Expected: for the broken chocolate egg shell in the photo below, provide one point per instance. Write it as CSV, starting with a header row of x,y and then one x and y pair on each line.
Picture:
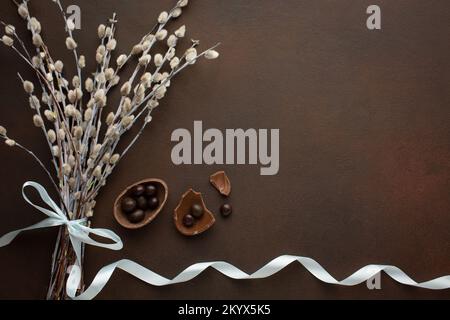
x,y
184,207
150,215
221,182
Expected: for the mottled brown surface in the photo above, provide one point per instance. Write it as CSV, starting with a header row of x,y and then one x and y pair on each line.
x,y
365,169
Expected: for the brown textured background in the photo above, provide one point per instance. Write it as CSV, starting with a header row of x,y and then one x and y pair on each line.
x,y
365,153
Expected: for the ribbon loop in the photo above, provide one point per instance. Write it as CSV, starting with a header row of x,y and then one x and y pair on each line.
x,y
57,213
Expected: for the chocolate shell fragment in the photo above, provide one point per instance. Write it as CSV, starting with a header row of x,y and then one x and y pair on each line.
x,y
221,182
183,217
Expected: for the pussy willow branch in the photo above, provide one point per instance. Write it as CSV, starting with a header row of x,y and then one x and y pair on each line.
x,y
175,72
51,90
16,36
158,27
62,147
40,82
60,173
44,129
38,51
153,30
97,111
22,44
75,52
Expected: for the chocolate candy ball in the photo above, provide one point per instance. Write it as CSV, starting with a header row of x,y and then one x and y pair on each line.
x,y
128,205
188,221
142,203
153,203
197,211
137,216
226,210
150,190
138,191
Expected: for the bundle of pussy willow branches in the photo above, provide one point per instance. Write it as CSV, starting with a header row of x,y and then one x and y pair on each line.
x,y
81,129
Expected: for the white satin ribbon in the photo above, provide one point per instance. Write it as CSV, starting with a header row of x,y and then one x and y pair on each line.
x,y
274,266
80,234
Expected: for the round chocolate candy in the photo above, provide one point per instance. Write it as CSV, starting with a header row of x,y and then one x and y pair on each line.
x,y
150,190
128,205
138,190
142,203
197,211
153,203
136,216
188,221
226,210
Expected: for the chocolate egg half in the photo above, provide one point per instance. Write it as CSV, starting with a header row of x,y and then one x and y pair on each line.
x,y
128,205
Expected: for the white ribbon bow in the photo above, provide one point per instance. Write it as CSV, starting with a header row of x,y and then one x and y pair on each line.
x,y
80,234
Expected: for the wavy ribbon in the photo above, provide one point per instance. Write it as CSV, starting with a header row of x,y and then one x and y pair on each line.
x,y
274,266
79,234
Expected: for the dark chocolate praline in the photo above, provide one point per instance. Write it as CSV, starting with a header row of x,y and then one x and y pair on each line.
x,y
128,205
136,216
150,190
226,210
188,221
197,211
142,203
138,191
153,203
